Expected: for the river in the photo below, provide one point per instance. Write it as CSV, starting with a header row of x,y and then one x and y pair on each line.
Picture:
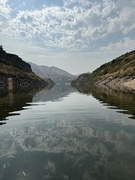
x,y
65,134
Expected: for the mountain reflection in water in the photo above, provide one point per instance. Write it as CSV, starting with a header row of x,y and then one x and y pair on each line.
x,y
62,134
123,101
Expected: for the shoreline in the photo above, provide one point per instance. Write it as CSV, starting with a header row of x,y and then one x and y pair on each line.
x,y
124,84
130,84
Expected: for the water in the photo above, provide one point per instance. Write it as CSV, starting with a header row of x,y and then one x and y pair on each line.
x,y
63,134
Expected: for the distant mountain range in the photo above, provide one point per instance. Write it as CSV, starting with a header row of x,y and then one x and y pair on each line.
x,y
55,74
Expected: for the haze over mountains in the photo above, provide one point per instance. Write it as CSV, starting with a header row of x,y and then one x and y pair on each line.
x,y
55,74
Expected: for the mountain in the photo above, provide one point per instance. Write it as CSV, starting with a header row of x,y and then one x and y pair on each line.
x,y
14,68
117,74
54,73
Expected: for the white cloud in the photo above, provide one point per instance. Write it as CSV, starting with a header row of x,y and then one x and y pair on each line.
x,y
126,20
85,3
74,27
78,25
4,9
125,44
108,7
123,22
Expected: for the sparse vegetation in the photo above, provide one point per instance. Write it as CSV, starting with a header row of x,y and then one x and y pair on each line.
x,y
121,67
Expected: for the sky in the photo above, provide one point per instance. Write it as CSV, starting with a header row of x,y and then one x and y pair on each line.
x,y
75,35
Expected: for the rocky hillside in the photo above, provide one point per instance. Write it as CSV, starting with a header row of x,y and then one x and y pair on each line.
x,y
118,73
13,60
12,66
54,73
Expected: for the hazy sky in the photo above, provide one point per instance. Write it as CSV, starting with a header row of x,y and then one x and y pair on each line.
x,y
75,35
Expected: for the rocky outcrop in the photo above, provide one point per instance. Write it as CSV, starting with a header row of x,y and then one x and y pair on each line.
x,y
14,60
20,72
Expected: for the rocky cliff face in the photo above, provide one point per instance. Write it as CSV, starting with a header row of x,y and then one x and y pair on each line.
x,y
13,67
14,60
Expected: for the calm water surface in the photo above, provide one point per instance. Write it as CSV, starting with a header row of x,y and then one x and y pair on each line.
x,y
62,134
